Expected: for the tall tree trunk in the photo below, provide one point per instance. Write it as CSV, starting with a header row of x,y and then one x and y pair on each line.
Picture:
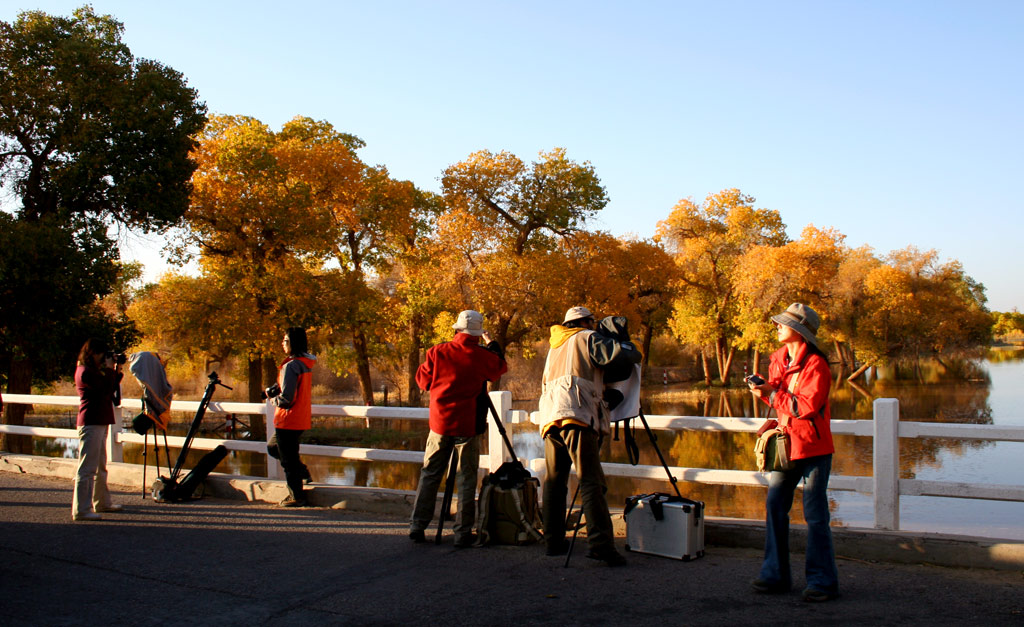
x,y
412,360
257,424
255,379
707,368
361,347
757,361
18,382
724,355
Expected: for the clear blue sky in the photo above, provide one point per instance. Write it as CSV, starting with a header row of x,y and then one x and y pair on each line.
x,y
898,123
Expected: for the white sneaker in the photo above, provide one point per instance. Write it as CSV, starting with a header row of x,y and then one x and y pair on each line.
x,y
86,516
113,507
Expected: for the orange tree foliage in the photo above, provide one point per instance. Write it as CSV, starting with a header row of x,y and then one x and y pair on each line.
x,y
503,220
257,239
371,220
917,306
768,278
708,241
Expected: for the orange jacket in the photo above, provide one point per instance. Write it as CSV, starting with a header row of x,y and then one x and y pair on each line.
x,y
801,401
295,402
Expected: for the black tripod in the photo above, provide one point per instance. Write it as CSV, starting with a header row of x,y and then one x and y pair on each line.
x,y
634,460
446,501
165,487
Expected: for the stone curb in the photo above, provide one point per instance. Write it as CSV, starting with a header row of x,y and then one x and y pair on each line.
x,y
856,544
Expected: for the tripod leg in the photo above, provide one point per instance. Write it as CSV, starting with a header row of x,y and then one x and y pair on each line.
x,y
145,451
449,489
575,528
657,449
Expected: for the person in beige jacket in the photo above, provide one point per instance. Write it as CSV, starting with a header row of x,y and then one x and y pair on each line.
x,y
575,419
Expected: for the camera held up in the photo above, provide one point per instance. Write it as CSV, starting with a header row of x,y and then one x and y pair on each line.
x,y
271,392
119,358
754,380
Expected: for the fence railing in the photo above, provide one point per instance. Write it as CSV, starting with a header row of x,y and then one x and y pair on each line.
x,y
885,428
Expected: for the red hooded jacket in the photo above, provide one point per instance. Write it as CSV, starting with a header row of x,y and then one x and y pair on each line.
x,y
454,373
810,379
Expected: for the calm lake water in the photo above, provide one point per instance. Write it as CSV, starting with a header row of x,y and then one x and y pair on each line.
x,y
987,392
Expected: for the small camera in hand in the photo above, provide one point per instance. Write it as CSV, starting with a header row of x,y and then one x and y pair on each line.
x,y
754,380
271,392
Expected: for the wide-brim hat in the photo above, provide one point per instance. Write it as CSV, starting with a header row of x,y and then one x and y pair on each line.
x,y
471,322
577,313
801,319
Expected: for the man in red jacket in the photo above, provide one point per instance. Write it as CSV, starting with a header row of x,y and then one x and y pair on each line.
x,y
456,374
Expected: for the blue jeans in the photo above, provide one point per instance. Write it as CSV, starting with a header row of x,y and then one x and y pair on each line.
x,y
820,569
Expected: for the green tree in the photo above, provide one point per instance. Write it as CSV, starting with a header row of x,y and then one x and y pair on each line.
x,y
89,136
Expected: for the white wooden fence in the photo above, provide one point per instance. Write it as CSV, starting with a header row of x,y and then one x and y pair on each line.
x,y
885,428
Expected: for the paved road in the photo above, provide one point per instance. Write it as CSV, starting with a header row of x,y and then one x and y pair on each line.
x,y
220,562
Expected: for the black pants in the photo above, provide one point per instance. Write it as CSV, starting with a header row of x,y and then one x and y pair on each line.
x,y
288,452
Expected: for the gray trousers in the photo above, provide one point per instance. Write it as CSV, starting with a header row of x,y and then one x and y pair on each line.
x,y
563,448
436,458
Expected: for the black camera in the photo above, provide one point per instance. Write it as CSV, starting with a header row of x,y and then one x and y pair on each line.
x,y
754,380
119,358
271,392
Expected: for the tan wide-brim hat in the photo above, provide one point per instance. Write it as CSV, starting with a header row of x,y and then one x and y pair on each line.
x,y
803,320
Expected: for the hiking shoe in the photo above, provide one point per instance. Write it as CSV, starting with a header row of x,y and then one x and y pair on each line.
x,y
762,586
608,555
86,516
465,542
290,502
556,548
418,536
112,508
813,595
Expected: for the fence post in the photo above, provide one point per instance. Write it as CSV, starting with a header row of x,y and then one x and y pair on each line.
x,y
496,452
887,463
273,466
115,450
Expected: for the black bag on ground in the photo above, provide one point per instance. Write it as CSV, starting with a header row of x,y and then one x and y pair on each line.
x,y
509,508
169,491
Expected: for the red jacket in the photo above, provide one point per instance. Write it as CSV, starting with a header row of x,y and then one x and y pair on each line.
x,y
96,388
295,402
810,434
454,373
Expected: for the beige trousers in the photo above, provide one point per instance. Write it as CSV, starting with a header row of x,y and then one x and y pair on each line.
x,y
91,480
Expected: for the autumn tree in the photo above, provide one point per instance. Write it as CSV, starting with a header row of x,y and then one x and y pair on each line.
x,y
504,220
768,278
251,225
707,240
918,306
89,137
369,220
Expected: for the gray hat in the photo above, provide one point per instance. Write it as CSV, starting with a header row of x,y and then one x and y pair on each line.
x,y
577,313
471,322
801,319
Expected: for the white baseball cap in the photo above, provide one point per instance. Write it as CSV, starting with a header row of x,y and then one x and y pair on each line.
x,y
471,322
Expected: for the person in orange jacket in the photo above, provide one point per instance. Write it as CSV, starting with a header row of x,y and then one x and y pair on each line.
x,y
293,396
797,389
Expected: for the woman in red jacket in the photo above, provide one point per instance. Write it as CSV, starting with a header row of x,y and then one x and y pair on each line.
x,y
797,389
96,379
